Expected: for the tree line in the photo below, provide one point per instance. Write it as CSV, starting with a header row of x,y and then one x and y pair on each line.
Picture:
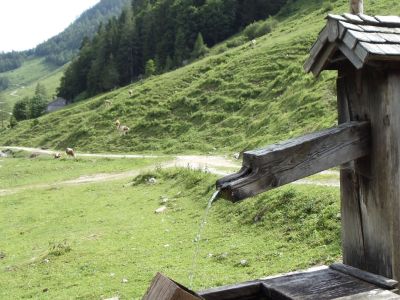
x,y
153,37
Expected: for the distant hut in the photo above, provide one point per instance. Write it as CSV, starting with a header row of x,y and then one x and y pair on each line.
x,y
56,104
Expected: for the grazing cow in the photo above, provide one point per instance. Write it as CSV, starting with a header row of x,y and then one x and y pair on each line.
x,y
70,152
57,155
121,128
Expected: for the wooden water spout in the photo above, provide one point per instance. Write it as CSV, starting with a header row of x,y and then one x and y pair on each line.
x,y
282,163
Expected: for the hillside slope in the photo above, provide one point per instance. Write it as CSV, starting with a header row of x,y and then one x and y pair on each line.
x,y
242,98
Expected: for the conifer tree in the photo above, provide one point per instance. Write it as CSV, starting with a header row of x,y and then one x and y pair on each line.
x,y
150,68
199,49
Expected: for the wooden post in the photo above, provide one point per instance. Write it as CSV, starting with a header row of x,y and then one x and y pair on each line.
x,y
370,187
163,288
356,7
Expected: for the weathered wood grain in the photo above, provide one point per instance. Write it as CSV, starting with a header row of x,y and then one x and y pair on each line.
x,y
377,294
163,288
323,58
368,19
395,20
289,161
351,56
374,279
371,191
247,291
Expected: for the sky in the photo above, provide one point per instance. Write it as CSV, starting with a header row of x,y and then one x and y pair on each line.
x,y
26,23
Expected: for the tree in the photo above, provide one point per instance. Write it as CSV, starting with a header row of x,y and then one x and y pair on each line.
x,y
21,110
199,48
37,106
150,68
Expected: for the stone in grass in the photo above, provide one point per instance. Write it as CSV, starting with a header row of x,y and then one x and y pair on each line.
x,y
244,263
152,180
160,209
113,298
124,280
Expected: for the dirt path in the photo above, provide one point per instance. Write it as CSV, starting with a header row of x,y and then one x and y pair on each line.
x,y
218,165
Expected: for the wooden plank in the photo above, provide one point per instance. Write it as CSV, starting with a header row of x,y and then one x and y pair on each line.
x,y
388,49
323,58
390,37
336,17
370,28
353,18
353,58
374,279
361,52
368,19
344,26
163,288
289,161
377,294
333,30
246,290
393,20
321,285
316,49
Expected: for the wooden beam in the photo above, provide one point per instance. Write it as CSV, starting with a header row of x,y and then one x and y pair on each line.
x,y
297,158
377,280
163,288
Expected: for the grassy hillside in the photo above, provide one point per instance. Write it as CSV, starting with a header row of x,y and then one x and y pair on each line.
x,y
81,241
237,98
24,79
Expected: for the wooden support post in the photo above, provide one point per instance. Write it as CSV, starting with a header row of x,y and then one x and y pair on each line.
x,y
370,187
356,6
297,158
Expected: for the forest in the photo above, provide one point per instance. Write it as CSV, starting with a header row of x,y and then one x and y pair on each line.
x,y
151,37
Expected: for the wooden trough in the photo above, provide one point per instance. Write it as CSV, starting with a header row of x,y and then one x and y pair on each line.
x,y
366,144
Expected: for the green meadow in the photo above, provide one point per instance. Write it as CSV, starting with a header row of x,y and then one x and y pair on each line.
x,y
98,240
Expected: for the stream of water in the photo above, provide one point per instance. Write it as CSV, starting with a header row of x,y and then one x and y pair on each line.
x,y
197,239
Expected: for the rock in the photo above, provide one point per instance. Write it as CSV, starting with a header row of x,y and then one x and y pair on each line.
x,y
152,180
2,154
46,260
244,262
164,199
338,216
210,255
160,209
113,298
236,155
166,245
124,280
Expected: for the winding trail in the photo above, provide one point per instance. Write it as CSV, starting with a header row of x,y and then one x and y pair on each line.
x,y
218,165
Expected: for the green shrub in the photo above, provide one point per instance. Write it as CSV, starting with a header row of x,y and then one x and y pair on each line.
x,y
251,30
327,7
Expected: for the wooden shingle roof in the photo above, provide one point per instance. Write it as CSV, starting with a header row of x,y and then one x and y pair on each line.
x,y
359,39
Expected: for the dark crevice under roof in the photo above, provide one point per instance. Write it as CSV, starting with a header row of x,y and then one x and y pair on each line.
x,y
356,38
